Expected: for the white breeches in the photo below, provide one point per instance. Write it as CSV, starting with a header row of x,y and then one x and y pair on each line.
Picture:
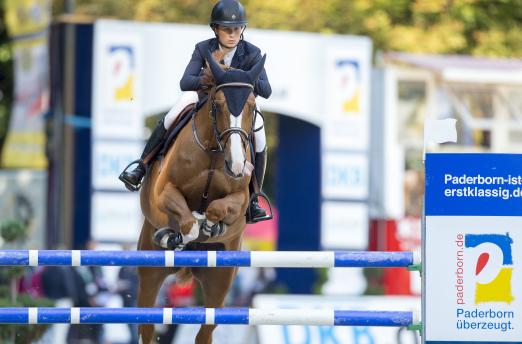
x,y
186,98
191,97
260,135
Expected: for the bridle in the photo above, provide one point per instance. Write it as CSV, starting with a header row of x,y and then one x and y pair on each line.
x,y
220,136
225,134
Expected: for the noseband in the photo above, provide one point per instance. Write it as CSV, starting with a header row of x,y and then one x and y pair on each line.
x,y
225,134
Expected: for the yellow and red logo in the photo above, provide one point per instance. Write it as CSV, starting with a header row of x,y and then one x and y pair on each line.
x,y
493,268
349,85
122,73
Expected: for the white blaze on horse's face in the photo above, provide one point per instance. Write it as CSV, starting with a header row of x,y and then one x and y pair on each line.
x,y
237,153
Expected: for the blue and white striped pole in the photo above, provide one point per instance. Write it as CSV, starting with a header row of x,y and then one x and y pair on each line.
x,y
281,259
210,316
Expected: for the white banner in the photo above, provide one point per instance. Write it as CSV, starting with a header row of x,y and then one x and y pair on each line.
x,y
344,226
109,160
471,284
116,217
345,175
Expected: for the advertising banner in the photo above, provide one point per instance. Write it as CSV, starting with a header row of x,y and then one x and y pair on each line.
x,y
118,94
347,99
345,175
116,224
27,23
109,159
27,17
344,225
472,287
117,132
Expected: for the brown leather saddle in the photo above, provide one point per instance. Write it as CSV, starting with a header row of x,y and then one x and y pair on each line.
x,y
176,127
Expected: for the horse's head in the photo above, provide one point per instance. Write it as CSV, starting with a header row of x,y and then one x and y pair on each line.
x,y
233,110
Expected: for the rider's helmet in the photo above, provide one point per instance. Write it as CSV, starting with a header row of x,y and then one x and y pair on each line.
x,y
228,13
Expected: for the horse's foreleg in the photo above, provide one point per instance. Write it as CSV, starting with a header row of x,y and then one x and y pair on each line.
x,y
173,203
150,281
229,208
215,283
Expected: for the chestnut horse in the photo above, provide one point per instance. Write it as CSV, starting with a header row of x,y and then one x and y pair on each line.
x,y
207,169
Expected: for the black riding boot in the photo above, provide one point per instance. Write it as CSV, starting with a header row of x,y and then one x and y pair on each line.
x,y
256,212
132,179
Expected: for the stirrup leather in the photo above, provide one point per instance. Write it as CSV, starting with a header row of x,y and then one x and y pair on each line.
x,y
128,185
249,217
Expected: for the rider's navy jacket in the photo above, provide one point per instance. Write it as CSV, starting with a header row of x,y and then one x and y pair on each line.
x,y
245,57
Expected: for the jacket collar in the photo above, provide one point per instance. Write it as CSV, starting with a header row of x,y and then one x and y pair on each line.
x,y
238,56
213,44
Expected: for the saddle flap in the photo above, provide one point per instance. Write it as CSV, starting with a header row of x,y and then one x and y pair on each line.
x,y
180,122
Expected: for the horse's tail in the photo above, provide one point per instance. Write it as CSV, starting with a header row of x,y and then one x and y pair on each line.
x,y
183,276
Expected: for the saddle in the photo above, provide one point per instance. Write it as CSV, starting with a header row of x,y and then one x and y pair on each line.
x,y
176,127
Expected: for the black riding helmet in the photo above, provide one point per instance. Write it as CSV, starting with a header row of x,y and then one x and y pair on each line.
x,y
228,13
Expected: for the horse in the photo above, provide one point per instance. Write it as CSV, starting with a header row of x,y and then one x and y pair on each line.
x,y
198,192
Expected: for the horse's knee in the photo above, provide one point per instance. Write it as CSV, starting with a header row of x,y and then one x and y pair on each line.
x,y
216,211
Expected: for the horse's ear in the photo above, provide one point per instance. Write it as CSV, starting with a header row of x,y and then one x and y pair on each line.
x,y
214,67
256,70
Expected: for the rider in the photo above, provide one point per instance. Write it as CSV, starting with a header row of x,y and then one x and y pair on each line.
x,y
228,21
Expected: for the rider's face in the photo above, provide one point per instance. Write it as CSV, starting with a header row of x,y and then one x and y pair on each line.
x,y
229,36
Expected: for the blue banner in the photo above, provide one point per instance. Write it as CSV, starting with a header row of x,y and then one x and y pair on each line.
x,y
473,184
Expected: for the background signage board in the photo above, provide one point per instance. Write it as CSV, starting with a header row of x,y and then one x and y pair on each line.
x,y
473,236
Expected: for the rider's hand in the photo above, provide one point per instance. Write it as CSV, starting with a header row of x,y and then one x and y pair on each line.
x,y
206,78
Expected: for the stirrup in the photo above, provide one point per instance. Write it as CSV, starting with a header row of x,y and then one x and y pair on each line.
x,y
129,185
249,217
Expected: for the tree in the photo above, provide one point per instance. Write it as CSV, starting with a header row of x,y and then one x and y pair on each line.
x,y
477,27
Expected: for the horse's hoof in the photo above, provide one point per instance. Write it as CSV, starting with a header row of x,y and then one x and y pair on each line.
x,y
213,229
168,239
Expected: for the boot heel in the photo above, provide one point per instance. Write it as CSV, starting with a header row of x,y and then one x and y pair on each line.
x,y
129,183
249,216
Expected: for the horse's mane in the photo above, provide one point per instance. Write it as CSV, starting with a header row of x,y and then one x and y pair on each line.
x,y
218,56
